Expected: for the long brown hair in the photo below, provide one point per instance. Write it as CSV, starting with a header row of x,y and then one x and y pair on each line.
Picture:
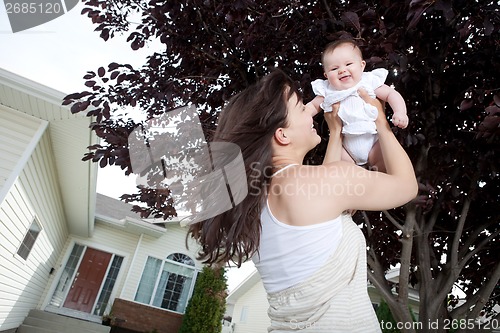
x,y
249,120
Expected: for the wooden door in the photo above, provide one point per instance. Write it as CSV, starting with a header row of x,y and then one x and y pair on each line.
x,y
88,280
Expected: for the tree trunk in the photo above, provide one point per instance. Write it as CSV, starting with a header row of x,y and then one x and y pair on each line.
x,y
404,316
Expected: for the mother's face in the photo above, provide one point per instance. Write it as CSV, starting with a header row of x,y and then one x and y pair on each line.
x,y
300,130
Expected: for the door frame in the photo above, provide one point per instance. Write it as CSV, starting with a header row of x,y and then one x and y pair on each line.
x,y
63,259
87,287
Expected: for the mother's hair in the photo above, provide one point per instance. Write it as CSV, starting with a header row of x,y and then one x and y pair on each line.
x,y
249,120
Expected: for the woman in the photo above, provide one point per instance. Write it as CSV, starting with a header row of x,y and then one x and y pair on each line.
x,y
310,255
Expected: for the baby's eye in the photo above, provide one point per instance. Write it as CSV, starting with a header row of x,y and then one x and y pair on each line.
x,y
334,68
349,64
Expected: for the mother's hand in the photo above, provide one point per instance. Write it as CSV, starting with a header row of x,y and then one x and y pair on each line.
x,y
334,149
375,102
332,118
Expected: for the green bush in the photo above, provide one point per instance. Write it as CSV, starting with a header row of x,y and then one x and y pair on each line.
x,y
206,307
385,318
387,322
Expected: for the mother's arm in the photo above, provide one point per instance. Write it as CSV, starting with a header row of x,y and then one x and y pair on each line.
x,y
371,190
334,149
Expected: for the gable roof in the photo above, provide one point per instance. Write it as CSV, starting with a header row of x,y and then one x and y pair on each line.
x,y
251,280
119,214
70,136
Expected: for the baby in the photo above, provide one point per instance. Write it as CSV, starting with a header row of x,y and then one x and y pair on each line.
x,y
344,66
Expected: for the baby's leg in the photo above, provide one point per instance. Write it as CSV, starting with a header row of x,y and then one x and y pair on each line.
x,y
375,158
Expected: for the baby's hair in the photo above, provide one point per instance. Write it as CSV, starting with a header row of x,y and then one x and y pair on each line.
x,y
330,47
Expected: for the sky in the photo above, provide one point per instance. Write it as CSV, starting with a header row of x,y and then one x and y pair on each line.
x,y
57,54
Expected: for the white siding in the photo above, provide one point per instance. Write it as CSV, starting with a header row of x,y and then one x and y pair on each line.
x,y
35,193
16,133
254,305
172,242
74,174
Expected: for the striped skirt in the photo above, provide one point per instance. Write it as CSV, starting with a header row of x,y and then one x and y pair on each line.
x,y
334,299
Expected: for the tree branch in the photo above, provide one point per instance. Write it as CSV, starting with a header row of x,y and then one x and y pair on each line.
x,y
368,223
479,299
328,10
478,248
392,219
383,289
452,272
374,265
376,275
437,205
458,233
424,273
406,250
473,236
461,222
226,41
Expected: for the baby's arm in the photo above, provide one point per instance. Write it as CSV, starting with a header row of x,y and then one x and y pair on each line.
x,y
315,104
397,103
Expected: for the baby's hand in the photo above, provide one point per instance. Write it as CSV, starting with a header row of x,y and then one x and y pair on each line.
x,y
400,119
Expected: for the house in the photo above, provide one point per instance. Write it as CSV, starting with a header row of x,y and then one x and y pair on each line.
x,y
65,251
247,304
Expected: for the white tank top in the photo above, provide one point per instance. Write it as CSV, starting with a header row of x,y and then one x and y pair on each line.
x,y
290,254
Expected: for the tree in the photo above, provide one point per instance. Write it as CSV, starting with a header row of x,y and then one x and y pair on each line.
x,y
443,57
206,307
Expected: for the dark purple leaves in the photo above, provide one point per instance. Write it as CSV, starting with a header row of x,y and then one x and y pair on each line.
x,y
417,8
79,106
101,71
105,34
352,19
466,104
489,27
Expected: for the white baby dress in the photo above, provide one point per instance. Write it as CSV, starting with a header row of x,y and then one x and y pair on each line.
x,y
358,117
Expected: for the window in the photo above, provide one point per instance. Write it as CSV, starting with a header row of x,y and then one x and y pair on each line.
x,y
67,276
244,314
29,240
102,303
168,283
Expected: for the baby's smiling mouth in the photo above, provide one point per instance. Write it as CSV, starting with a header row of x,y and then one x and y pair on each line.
x,y
344,78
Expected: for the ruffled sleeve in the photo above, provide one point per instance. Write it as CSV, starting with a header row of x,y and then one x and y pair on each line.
x,y
374,79
319,87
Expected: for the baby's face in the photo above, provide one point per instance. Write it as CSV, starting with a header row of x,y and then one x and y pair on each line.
x,y
343,67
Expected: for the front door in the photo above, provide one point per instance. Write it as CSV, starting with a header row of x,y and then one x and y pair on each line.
x,y
88,280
